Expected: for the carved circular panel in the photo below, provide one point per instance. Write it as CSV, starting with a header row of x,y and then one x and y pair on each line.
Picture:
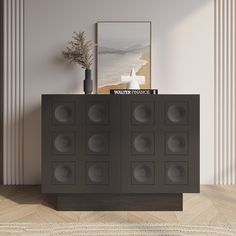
x,y
63,143
142,143
62,173
176,174
97,143
142,173
95,174
97,113
63,113
142,113
176,113
176,143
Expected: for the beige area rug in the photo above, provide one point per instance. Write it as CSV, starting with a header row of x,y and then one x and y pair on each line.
x,y
79,229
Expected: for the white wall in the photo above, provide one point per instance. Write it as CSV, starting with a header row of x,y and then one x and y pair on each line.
x,y
182,58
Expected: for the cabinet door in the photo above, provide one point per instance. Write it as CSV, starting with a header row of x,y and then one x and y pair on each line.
x,y
99,164
59,143
160,144
179,147
140,160
81,144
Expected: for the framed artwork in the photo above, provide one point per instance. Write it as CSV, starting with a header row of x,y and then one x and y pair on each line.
x,y
123,56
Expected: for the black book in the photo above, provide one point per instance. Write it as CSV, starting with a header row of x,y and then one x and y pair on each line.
x,y
133,91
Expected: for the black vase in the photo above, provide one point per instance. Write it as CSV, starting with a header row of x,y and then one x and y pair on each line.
x,y
88,83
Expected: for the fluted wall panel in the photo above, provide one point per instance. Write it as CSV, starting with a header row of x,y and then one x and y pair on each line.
x,y
225,91
13,91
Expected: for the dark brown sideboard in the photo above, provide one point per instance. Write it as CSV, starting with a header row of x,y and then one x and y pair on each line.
x,y
120,152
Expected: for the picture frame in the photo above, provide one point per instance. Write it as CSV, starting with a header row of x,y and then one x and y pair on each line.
x,y
123,55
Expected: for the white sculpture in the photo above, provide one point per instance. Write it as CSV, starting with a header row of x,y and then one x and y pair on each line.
x,y
133,80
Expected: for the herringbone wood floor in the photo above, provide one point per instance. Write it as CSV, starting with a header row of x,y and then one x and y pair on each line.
x,y
215,205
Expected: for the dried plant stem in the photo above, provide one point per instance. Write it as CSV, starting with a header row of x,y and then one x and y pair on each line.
x,y
79,50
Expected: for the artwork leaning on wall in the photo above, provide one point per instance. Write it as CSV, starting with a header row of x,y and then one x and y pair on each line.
x,y
123,56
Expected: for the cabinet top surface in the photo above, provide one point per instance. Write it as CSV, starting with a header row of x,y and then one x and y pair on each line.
x,y
124,95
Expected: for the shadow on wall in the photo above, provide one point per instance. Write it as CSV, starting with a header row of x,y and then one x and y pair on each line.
x,y
175,37
173,12
74,74
32,145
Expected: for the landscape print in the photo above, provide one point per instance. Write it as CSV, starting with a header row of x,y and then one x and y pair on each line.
x,y
123,47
